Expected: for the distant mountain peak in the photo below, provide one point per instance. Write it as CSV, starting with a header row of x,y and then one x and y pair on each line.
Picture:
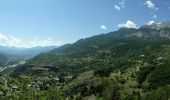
x,y
165,24
158,26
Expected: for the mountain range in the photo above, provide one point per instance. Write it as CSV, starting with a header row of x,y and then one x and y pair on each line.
x,y
127,64
12,54
87,46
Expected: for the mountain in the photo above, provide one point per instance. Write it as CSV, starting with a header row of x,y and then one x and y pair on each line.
x,y
6,58
31,52
26,52
128,64
13,55
125,64
3,59
87,46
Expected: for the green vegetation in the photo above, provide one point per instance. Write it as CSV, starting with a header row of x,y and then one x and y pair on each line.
x,y
116,66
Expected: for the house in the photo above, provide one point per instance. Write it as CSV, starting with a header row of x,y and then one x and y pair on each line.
x,y
56,78
1,93
13,86
68,77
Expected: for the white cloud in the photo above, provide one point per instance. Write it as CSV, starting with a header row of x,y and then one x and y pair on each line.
x,y
43,42
154,16
117,7
13,41
128,24
9,41
3,39
103,27
120,5
151,5
150,22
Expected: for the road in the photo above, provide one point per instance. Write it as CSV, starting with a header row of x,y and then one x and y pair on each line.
x,y
11,66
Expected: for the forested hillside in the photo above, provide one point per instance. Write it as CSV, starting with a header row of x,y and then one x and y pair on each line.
x,y
128,64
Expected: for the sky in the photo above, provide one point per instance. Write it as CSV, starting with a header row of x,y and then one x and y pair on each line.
x,y
30,23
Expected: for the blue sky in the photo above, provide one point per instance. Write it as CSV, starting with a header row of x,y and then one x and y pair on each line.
x,y
28,23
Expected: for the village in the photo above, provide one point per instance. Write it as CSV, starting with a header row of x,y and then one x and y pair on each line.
x,y
9,85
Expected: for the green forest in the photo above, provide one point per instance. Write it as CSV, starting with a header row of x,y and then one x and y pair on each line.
x,y
112,66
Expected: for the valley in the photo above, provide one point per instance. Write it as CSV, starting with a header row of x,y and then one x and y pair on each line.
x,y
84,49
21,62
120,65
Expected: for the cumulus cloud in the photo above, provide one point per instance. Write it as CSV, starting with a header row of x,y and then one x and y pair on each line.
x,y
151,5
128,24
12,41
117,7
150,22
103,27
9,41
